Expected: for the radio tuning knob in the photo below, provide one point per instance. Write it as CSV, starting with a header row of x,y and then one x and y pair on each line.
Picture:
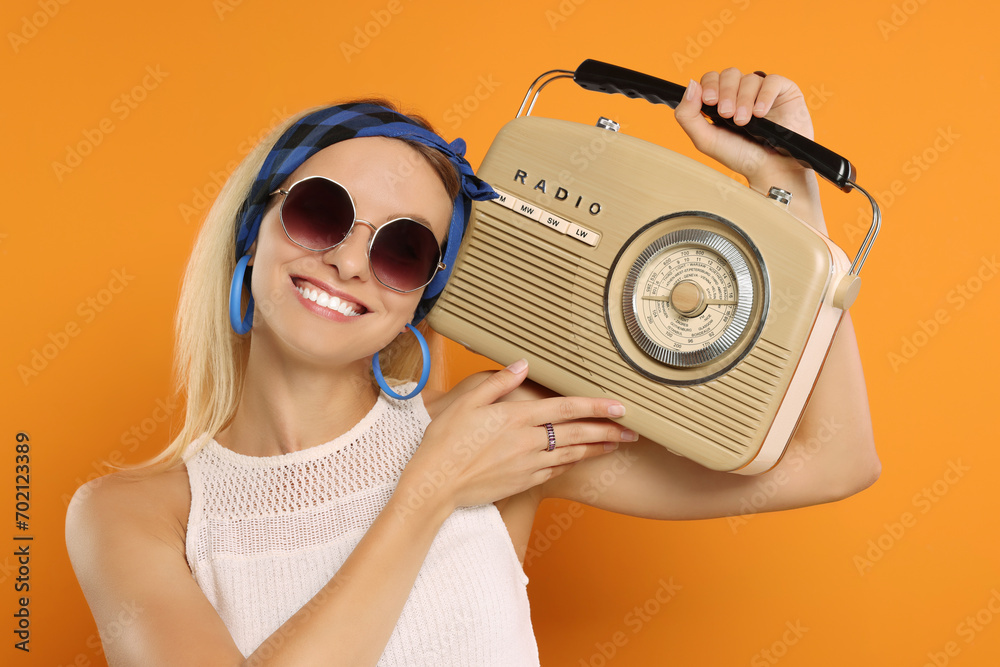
x,y
607,124
780,196
847,291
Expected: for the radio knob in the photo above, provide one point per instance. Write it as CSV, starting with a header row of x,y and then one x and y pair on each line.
x,y
688,298
847,291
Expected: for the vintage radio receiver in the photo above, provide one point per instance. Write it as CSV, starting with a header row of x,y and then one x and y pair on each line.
x,y
619,268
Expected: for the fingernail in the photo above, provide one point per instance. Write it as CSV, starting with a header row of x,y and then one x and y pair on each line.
x,y
629,435
725,107
616,410
741,115
690,92
518,366
610,446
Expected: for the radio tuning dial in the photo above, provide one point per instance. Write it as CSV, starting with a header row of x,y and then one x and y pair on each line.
x,y
688,297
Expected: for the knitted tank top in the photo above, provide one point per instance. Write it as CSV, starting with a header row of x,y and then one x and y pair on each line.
x,y
264,534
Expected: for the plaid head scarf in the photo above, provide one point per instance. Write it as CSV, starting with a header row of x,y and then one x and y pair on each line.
x,y
336,123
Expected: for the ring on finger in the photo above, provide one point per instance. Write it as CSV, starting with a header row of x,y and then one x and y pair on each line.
x,y
551,433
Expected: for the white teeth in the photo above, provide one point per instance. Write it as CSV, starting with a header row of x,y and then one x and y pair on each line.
x,y
327,301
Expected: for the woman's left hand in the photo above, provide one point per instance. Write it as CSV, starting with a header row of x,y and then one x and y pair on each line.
x,y
739,96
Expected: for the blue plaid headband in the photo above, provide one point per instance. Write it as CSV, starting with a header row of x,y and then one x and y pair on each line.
x,y
332,124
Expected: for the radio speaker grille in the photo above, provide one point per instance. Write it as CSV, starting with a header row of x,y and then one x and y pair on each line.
x,y
501,275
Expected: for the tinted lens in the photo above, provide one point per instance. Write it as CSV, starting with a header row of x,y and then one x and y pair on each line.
x,y
404,255
317,213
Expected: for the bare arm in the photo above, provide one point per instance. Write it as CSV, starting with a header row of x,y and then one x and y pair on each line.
x,y
128,554
126,543
831,456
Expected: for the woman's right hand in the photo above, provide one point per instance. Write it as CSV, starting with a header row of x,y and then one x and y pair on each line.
x,y
480,449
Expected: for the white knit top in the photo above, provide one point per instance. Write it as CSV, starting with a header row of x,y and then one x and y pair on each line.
x,y
264,534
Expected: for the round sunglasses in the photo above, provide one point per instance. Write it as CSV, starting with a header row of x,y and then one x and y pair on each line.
x,y
318,214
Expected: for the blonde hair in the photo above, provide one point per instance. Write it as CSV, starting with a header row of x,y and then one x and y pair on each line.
x,y
209,357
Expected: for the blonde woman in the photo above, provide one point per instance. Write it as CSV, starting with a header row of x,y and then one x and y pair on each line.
x,y
312,512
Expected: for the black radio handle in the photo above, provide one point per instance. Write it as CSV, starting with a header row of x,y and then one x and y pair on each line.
x,y
606,78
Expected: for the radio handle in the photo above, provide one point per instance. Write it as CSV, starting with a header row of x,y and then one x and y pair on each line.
x,y
606,78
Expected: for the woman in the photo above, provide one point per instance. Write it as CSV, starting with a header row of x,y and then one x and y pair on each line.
x,y
326,522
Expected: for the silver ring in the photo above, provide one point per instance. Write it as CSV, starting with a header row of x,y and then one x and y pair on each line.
x,y
552,436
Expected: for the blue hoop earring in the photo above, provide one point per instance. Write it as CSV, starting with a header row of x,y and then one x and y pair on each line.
x,y
236,296
424,374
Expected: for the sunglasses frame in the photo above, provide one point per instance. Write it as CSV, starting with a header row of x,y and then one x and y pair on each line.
x,y
350,230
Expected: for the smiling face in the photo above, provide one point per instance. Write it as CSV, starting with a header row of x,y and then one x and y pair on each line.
x,y
358,316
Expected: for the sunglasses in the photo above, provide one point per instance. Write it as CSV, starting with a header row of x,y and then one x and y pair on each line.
x,y
319,214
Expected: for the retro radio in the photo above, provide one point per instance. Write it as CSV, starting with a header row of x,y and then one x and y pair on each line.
x,y
632,272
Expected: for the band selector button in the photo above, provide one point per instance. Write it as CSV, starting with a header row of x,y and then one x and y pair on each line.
x,y
505,199
528,210
588,236
554,222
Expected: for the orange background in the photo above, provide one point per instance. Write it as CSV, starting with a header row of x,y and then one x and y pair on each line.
x,y
889,80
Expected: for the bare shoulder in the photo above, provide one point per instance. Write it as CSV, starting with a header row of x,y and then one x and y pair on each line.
x,y
119,530
159,502
118,525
